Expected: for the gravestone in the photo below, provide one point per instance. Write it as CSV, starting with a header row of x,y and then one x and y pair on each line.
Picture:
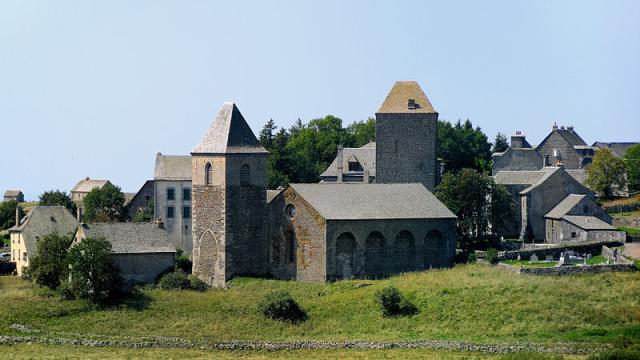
x,y
533,258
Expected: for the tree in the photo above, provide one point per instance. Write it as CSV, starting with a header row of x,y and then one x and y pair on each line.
x,y
632,168
479,203
461,146
49,266
104,204
267,134
93,275
363,132
606,173
57,198
8,213
501,143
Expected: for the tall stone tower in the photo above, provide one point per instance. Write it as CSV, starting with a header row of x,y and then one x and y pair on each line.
x,y
406,129
229,179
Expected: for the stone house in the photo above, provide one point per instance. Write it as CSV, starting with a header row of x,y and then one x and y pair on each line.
x,y
321,232
41,221
579,218
617,148
353,165
14,195
83,187
141,251
172,198
537,193
142,201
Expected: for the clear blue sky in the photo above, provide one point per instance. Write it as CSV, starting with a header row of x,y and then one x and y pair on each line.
x,y
96,88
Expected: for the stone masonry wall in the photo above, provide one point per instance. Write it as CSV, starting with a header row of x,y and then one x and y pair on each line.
x,y
143,268
406,148
517,160
568,155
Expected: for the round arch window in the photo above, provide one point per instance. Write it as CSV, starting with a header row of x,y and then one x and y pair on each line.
x,y
290,210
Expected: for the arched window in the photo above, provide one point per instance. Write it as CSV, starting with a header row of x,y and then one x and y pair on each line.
x,y
208,174
245,175
435,251
404,252
374,255
345,256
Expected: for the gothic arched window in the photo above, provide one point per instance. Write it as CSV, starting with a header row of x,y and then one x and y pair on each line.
x,y
208,174
245,175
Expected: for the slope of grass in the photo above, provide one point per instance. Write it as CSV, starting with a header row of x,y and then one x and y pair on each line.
x,y
630,230
529,264
474,303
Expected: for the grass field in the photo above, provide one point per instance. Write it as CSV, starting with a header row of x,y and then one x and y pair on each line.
x,y
529,264
475,303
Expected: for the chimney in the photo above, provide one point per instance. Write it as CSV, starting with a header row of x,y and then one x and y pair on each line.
x,y
555,126
365,177
570,128
562,127
339,160
17,216
517,140
160,223
560,164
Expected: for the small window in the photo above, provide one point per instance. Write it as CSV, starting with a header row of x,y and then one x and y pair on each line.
x,y
187,232
245,175
290,210
208,174
573,235
186,194
186,212
353,166
171,194
24,256
170,213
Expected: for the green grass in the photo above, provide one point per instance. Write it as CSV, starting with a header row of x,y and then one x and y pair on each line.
x,y
475,303
39,351
596,260
528,264
630,230
622,215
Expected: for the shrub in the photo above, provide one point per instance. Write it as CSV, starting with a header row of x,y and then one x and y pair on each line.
x,y
393,303
183,262
175,281
530,356
492,256
197,284
472,257
93,274
49,264
65,291
280,305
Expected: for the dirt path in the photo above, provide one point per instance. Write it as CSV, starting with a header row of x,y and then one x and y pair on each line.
x,y
632,250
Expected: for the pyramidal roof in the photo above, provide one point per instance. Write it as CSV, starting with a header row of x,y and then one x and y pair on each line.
x,y
399,99
229,133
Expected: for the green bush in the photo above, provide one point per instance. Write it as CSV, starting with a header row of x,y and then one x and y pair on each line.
x,y
280,305
92,273
393,303
49,264
197,284
183,262
617,354
472,257
177,280
65,291
530,356
492,256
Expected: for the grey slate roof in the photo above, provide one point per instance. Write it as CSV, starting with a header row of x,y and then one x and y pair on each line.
x,y
397,100
271,194
365,155
578,174
519,177
344,201
617,148
229,133
42,221
172,167
565,206
86,185
12,193
547,172
588,222
571,136
131,238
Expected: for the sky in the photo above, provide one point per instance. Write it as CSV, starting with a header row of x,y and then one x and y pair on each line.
x,y
97,88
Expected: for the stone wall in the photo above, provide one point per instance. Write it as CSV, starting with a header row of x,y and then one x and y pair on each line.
x,y
517,160
593,248
143,268
406,148
571,158
143,200
574,270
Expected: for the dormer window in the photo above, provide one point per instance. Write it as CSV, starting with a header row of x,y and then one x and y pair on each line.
x,y
411,104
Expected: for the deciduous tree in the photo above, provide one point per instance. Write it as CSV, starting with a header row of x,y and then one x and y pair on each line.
x,y
606,173
104,204
632,167
57,198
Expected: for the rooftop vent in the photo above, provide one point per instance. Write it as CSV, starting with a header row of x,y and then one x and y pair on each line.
x,y
570,128
561,127
412,104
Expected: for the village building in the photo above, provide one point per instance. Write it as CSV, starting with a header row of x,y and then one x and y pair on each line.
x,y
14,195
617,148
142,201
579,218
40,222
321,232
83,187
141,251
173,199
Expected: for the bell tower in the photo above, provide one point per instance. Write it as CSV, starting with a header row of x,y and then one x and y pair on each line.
x,y
229,179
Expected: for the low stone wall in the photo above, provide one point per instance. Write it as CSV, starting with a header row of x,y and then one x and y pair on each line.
x,y
593,248
571,270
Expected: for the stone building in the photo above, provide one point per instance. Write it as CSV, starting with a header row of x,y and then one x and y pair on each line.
x,y
537,193
141,251
173,198
353,165
520,156
617,148
142,201
229,180
41,221
83,187
579,218
321,232
14,195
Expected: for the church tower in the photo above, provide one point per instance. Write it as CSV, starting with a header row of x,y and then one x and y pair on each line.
x,y
229,179
406,129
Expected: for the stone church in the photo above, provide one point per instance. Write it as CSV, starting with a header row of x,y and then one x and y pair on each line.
x,y
321,232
